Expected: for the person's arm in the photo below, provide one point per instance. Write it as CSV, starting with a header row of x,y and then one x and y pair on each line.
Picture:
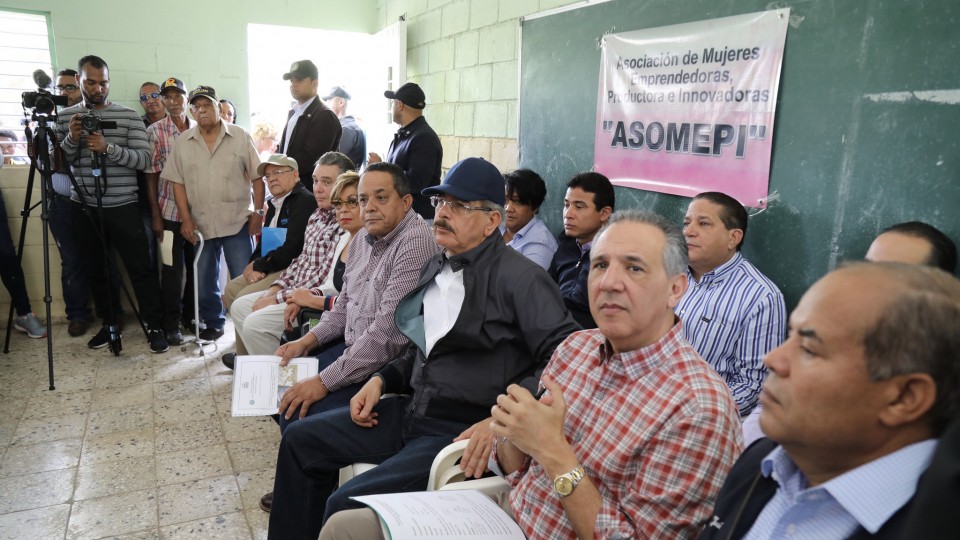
x,y
763,330
187,227
535,428
538,252
255,221
134,152
423,162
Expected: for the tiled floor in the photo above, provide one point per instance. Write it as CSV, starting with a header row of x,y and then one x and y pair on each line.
x,y
136,447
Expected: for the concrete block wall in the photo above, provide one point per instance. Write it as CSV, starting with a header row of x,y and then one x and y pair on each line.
x,y
465,54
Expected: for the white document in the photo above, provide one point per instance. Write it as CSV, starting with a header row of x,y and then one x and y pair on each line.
x,y
166,247
442,514
259,382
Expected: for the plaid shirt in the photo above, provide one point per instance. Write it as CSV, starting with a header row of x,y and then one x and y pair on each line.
x,y
379,273
655,429
310,268
161,135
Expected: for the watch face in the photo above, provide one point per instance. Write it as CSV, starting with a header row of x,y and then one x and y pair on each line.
x,y
563,485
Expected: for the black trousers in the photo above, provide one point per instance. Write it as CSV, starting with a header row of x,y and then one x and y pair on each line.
x,y
171,280
124,230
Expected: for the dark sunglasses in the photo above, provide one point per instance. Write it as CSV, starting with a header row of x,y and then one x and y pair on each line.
x,y
154,95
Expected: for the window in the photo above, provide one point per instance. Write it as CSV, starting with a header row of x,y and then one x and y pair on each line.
x,y
25,43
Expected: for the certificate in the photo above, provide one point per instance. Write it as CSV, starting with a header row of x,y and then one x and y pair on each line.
x,y
259,382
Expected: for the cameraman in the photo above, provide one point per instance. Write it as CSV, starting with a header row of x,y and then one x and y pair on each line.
x,y
124,150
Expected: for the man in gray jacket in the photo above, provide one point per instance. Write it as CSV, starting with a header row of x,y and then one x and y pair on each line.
x,y
480,318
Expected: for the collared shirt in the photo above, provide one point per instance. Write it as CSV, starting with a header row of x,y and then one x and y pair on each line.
x,y
161,136
441,304
129,154
379,273
534,242
733,317
217,182
298,110
277,203
311,267
655,429
863,497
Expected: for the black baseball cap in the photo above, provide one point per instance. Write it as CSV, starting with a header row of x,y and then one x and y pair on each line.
x,y
204,91
409,94
302,69
173,82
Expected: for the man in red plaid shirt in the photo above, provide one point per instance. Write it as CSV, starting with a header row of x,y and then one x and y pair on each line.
x,y
636,433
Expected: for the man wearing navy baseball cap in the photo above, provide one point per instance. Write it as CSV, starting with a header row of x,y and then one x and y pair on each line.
x,y
415,147
481,317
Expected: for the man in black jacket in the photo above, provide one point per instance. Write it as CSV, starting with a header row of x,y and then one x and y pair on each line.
x,y
415,148
312,129
480,318
854,403
289,209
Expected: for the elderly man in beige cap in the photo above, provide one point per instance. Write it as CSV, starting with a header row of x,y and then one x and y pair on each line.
x,y
213,167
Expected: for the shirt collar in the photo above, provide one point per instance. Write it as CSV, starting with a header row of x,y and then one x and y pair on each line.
x,y
410,216
300,107
584,247
871,493
469,258
406,130
640,362
720,271
522,232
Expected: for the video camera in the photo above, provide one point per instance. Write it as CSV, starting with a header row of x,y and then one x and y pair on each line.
x,y
91,122
42,101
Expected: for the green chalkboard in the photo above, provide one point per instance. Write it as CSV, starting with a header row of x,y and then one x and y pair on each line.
x,y
867,128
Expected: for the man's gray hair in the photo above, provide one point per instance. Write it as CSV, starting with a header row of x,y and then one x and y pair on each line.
x,y
336,158
495,207
675,246
918,333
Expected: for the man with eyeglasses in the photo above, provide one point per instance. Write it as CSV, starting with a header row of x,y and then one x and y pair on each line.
x,y
73,275
165,218
289,209
124,150
152,105
480,317
154,112
258,317
213,167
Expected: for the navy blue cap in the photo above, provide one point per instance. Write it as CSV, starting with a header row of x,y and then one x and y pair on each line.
x,y
472,179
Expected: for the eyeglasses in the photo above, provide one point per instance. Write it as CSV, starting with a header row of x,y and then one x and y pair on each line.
x,y
276,174
456,206
350,203
67,88
154,95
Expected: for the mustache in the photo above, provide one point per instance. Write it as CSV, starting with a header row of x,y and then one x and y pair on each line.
x,y
440,223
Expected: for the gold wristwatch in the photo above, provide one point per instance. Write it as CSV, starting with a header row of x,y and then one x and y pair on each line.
x,y
566,483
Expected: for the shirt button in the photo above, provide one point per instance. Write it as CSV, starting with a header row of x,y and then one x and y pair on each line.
x,y
791,529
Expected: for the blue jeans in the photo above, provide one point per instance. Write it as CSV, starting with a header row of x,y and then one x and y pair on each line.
x,y
73,274
236,250
313,450
334,400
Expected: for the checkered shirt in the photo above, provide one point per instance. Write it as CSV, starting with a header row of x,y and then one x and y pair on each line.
x,y
161,135
379,273
309,270
655,429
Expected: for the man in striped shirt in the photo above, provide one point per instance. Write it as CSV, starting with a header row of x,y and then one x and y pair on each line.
x,y
732,314
123,151
165,216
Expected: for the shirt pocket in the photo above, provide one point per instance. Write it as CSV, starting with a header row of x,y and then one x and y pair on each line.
x,y
234,187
